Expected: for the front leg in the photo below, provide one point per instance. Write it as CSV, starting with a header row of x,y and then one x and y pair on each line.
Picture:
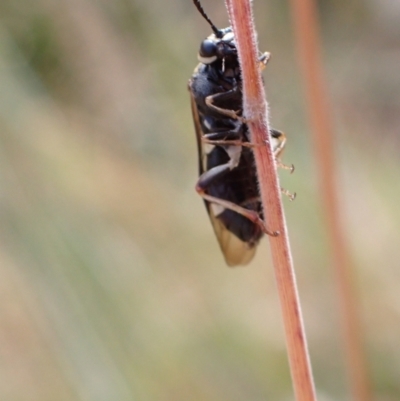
x,y
263,60
225,96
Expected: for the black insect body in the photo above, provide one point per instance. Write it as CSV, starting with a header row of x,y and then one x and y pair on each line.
x,y
227,182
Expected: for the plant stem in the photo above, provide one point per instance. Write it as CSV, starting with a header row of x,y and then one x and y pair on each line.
x,y
255,110
307,34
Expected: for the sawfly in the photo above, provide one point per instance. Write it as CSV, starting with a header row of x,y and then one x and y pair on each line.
x,y
227,176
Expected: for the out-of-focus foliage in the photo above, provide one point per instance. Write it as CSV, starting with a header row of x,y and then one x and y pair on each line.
x,y
112,284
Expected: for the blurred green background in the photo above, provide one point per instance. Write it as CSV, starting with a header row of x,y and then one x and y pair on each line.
x,y
112,284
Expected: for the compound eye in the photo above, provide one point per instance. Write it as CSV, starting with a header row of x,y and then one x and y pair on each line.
x,y
208,48
208,51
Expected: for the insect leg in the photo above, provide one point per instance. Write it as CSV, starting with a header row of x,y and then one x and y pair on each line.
x,y
234,138
226,138
285,166
231,138
291,196
224,96
217,172
264,58
228,142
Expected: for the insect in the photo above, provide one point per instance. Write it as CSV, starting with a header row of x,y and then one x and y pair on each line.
x,y
227,181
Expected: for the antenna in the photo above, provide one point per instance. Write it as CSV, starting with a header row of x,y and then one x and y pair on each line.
x,y
217,32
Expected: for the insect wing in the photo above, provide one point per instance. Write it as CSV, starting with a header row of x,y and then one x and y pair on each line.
x,y
235,251
197,128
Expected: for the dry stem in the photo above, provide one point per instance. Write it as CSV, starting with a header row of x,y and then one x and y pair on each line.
x,y
255,110
307,34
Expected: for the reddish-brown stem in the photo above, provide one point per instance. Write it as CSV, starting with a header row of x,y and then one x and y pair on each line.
x,y
255,110
307,34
